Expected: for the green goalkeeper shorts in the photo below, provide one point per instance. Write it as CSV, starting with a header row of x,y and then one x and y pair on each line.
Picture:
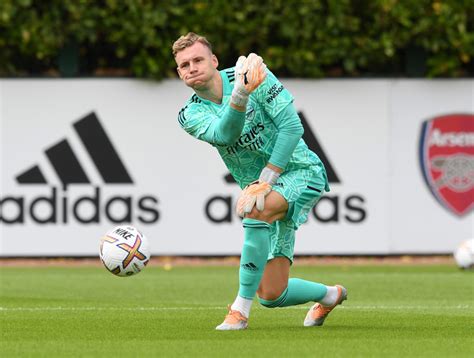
x,y
302,189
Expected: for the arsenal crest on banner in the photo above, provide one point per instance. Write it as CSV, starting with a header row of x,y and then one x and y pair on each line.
x,y
447,160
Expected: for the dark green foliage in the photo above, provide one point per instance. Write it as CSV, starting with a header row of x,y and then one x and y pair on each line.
x,y
297,38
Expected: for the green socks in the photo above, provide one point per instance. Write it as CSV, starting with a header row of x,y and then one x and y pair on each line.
x,y
254,256
298,292
252,264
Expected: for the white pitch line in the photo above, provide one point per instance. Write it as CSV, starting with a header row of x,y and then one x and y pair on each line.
x,y
136,309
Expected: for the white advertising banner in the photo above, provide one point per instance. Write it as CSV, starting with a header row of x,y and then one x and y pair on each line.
x,y
431,120
80,156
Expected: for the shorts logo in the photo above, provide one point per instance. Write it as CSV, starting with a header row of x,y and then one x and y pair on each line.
x,y
447,160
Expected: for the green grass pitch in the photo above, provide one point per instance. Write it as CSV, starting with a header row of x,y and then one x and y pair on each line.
x,y
391,311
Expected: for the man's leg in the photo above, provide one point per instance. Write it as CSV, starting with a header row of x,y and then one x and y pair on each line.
x,y
276,290
252,265
302,188
253,259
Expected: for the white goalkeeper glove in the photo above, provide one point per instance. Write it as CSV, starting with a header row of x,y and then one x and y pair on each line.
x,y
249,74
254,194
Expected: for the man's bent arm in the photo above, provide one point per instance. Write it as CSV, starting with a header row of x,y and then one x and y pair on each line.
x,y
227,129
290,131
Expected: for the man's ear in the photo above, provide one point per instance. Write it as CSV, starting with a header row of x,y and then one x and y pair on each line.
x,y
179,73
215,61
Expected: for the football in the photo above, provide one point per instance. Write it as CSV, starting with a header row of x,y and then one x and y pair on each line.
x,y
124,251
464,254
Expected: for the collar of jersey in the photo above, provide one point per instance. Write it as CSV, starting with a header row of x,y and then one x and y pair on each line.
x,y
226,88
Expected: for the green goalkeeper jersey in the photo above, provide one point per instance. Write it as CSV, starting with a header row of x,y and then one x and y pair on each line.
x,y
253,149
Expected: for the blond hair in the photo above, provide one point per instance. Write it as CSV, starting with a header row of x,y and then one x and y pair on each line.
x,y
188,40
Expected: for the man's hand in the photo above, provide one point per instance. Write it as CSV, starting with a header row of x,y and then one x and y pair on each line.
x,y
249,74
254,194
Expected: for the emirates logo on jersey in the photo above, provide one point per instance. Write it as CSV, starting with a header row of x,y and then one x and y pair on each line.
x,y
250,140
447,160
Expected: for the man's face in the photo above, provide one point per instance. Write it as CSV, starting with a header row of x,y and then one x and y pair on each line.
x,y
196,65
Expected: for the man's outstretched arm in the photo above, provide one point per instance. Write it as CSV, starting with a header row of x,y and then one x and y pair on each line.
x,y
249,74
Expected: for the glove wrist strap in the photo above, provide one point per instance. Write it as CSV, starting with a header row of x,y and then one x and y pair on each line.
x,y
239,98
268,175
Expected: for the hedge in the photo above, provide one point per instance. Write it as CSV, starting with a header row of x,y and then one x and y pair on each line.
x,y
311,39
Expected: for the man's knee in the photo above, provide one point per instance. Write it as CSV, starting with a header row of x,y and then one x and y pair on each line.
x,y
259,215
271,298
268,216
271,293
275,209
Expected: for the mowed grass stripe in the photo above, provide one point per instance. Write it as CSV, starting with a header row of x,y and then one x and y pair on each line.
x,y
301,307
412,311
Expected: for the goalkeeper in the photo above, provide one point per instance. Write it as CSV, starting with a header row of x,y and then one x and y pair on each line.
x,y
249,117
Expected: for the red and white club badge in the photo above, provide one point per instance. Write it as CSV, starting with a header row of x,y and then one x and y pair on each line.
x,y
447,160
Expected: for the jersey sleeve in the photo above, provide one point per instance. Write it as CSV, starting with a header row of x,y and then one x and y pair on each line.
x,y
211,128
195,122
273,95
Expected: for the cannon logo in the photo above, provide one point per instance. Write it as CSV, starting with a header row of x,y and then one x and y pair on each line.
x,y
58,205
447,160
